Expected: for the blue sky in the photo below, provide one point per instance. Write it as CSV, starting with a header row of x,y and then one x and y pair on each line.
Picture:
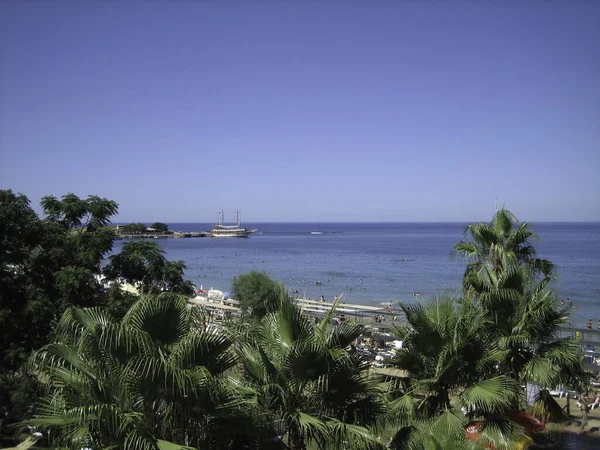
x,y
305,111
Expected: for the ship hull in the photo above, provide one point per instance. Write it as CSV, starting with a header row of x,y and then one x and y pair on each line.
x,y
232,235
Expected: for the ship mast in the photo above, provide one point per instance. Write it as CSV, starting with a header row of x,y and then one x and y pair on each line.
x,y
239,220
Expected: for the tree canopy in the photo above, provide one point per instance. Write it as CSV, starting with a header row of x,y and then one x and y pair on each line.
x,y
134,228
73,212
497,248
45,266
48,265
257,293
306,382
151,371
142,262
160,227
156,379
475,352
162,377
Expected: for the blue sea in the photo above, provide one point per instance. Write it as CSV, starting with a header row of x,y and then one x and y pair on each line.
x,y
370,263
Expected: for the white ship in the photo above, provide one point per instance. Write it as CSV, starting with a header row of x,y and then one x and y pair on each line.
x,y
221,230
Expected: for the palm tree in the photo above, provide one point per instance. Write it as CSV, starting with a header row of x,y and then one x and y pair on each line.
x,y
526,322
450,360
511,287
445,348
524,317
447,431
158,379
312,388
143,263
495,247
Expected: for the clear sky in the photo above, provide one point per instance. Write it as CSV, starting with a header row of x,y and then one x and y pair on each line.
x,y
305,111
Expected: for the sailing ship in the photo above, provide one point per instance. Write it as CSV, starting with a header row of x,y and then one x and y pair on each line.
x,y
221,230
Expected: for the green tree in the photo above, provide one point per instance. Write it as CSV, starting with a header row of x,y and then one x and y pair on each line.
x,y
142,262
445,349
135,228
45,266
476,352
78,286
139,228
160,227
86,221
450,361
118,301
157,379
511,286
307,382
497,247
257,293
23,302
73,212
525,319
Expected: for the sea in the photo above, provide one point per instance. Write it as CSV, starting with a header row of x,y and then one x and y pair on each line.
x,y
374,263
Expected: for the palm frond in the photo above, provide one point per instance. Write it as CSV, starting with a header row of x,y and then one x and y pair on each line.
x,y
501,432
313,428
207,349
492,395
541,371
164,318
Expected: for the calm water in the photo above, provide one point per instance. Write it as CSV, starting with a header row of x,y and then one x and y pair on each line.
x,y
392,260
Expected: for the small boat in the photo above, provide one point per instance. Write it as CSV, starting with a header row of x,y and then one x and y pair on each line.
x,y
316,232
220,230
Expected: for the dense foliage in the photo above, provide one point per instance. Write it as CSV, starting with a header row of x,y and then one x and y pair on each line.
x,y
142,263
160,227
48,265
307,383
157,376
257,293
148,371
134,228
141,228
476,352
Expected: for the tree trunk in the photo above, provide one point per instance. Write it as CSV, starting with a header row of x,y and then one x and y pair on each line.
x,y
446,399
296,440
